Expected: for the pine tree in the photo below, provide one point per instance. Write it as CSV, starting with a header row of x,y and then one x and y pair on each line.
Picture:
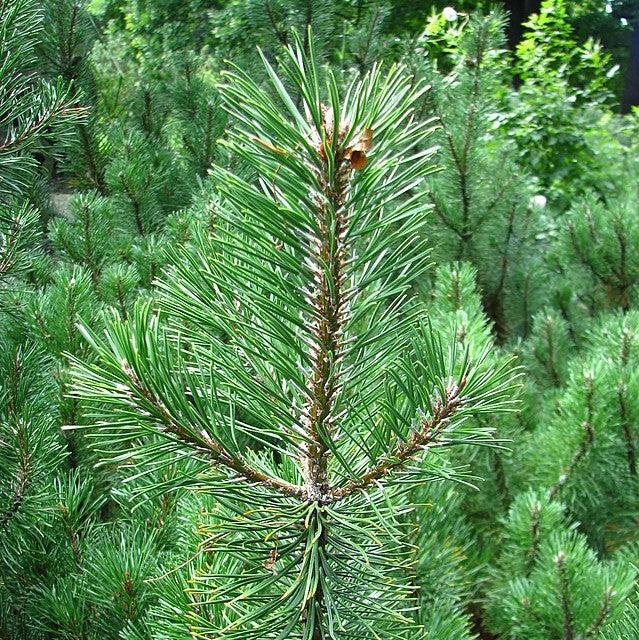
x,y
31,451
594,251
486,222
292,369
49,502
262,446
31,106
444,575
30,445
585,453
547,352
199,117
63,50
552,584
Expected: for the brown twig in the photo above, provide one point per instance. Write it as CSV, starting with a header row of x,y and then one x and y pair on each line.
x,y
205,443
405,451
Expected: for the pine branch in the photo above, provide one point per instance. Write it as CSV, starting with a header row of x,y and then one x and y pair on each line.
x,y
535,520
18,138
585,444
13,240
280,34
622,274
25,433
550,362
582,255
31,107
328,302
604,614
500,478
629,442
564,596
421,439
461,156
289,356
21,482
205,443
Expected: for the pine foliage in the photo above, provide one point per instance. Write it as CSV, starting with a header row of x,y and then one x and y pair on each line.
x,y
594,248
30,106
486,222
258,322
556,587
307,414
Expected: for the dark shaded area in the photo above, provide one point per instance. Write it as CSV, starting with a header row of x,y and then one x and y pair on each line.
x,y
519,11
631,90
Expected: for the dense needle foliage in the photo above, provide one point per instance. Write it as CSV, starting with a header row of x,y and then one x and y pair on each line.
x,y
332,338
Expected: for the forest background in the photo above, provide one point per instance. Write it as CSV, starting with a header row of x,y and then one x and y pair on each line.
x,y
117,164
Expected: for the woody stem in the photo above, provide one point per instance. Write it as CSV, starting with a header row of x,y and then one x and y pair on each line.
x,y
330,255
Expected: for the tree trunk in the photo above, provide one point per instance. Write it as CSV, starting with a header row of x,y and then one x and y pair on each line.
x,y
518,12
631,93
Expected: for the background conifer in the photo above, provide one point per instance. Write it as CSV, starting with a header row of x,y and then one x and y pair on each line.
x,y
254,287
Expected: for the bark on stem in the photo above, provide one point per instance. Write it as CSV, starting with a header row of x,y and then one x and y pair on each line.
x,y
329,302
